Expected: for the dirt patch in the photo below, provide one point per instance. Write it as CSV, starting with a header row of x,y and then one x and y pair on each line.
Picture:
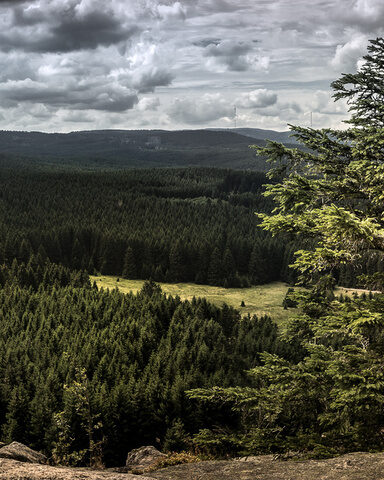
x,y
14,470
355,466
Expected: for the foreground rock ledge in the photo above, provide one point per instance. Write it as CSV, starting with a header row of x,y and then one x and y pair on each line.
x,y
22,453
14,470
354,466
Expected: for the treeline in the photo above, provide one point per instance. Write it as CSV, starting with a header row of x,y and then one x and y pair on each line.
x,y
74,359
174,225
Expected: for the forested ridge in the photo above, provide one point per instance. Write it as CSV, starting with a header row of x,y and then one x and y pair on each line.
x,y
122,149
73,355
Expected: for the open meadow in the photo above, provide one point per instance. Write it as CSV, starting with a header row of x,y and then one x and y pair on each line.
x,y
259,300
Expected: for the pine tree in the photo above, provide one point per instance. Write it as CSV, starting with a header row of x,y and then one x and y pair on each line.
x,y
215,270
176,263
333,192
129,269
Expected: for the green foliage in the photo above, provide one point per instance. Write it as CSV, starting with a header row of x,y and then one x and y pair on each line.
x,y
332,191
176,438
364,89
289,299
329,399
78,409
173,459
173,225
84,370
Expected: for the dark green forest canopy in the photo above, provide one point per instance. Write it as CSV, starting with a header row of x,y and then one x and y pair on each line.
x,y
166,224
140,353
124,149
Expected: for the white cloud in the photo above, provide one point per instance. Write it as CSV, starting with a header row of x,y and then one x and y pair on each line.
x,y
148,103
324,103
259,98
177,11
347,55
205,109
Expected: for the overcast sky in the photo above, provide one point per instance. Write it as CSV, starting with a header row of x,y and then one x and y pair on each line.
x,y
89,64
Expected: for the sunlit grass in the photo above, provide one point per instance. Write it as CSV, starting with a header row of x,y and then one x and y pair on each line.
x,y
259,300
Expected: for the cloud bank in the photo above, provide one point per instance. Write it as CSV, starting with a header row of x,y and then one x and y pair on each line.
x,y
175,64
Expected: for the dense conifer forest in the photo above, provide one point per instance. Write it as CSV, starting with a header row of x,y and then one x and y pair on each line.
x,y
195,225
87,374
76,360
172,225
73,356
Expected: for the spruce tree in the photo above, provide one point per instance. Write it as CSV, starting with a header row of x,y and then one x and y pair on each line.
x,y
331,191
129,269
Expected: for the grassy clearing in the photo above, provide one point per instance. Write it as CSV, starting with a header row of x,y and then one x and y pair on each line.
x,y
350,291
259,300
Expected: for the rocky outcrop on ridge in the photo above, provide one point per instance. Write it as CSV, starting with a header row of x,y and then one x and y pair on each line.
x,y
143,458
22,453
14,470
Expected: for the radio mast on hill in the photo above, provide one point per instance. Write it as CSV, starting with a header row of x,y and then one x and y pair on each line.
x,y
310,118
235,115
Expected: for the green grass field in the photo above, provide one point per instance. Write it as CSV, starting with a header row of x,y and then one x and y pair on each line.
x,y
259,300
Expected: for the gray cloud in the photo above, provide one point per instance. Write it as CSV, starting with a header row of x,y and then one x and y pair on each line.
x,y
205,42
147,80
236,56
64,61
112,98
286,110
205,109
64,30
68,55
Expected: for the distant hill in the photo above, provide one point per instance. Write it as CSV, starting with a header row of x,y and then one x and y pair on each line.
x,y
139,148
260,134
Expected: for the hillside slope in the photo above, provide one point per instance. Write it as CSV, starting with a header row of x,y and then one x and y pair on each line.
x,y
261,134
136,148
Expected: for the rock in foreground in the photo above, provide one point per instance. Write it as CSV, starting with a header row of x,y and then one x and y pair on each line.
x,y
143,457
22,453
354,466
13,470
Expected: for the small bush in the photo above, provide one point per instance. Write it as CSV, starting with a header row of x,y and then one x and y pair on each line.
x,y
176,438
173,459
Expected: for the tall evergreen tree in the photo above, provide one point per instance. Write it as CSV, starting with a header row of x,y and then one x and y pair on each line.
x,y
333,192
